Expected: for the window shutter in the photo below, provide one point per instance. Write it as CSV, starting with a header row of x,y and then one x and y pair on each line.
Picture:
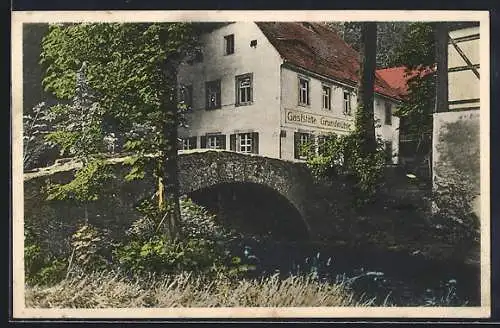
x,y
232,142
223,141
203,141
307,94
219,100
296,145
255,142
236,91
193,143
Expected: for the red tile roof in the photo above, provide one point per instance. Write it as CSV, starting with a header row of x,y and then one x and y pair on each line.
x,y
315,47
397,78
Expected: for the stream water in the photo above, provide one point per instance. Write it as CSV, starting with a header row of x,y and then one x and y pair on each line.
x,y
390,278
395,278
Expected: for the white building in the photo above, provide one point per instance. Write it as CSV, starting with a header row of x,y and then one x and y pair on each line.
x,y
267,87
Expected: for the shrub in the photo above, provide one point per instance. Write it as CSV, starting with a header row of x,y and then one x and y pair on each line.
x,y
90,247
201,247
42,269
341,155
40,266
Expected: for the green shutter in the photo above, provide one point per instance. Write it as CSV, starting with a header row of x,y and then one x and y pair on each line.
x,y
255,142
193,142
296,148
223,141
232,142
219,104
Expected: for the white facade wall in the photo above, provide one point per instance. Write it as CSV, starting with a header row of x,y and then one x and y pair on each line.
x,y
275,96
324,121
263,61
385,131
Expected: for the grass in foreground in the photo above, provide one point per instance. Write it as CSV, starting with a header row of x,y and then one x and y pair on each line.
x,y
111,290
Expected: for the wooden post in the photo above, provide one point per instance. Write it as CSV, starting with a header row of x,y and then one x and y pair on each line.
x,y
441,46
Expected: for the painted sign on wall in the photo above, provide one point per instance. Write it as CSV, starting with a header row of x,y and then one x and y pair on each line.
x,y
318,121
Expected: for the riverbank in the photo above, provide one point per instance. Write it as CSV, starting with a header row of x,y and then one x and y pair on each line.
x,y
113,290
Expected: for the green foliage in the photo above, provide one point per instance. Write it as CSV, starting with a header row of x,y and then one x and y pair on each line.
x,y
453,198
389,35
417,47
417,53
52,272
161,255
36,125
125,64
40,267
89,248
148,248
132,70
77,127
87,184
341,156
416,111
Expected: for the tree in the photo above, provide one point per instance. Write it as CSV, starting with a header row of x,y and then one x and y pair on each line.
x,y
77,130
36,120
389,35
36,125
365,124
417,53
132,68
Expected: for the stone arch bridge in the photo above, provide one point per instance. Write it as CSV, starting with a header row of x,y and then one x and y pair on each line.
x,y
199,169
292,181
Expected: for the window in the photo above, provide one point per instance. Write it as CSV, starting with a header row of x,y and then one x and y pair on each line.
x,y
186,96
327,95
229,44
188,143
213,141
244,89
213,94
303,91
388,151
245,142
301,140
347,102
388,113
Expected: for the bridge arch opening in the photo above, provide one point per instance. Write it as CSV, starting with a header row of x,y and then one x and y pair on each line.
x,y
253,210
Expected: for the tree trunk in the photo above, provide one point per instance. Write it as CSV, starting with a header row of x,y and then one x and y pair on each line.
x,y
170,178
365,124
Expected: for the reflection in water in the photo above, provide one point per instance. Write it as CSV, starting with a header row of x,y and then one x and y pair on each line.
x,y
274,240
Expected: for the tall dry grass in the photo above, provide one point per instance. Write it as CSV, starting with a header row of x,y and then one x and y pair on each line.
x,y
112,290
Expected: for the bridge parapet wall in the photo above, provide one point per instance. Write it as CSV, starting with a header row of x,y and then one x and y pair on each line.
x,y
197,170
